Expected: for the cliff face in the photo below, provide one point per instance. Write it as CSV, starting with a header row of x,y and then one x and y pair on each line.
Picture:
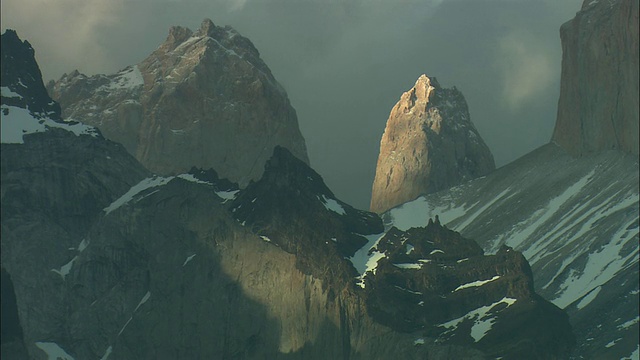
x,y
598,106
202,99
429,144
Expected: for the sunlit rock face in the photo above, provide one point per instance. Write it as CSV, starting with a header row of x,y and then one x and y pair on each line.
x,y
202,99
598,106
429,144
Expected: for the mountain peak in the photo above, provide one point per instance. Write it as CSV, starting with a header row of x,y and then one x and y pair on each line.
x,y
207,28
429,144
22,80
178,35
203,99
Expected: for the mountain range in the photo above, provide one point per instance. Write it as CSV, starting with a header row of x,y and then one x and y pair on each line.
x,y
169,211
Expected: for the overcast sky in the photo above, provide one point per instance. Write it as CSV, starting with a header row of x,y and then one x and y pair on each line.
x,y
344,63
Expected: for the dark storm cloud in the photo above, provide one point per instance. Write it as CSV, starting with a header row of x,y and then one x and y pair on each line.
x,y
344,63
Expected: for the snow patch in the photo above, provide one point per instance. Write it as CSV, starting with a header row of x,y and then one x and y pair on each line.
x,y
409,248
407,290
189,258
589,297
18,122
629,323
613,342
635,355
419,341
528,227
54,351
416,213
600,267
143,300
264,238
333,205
65,269
191,178
6,92
408,266
364,261
107,353
136,189
227,195
129,78
483,321
83,245
476,283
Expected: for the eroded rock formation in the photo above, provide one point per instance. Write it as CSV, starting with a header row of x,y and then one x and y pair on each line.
x,y
429,144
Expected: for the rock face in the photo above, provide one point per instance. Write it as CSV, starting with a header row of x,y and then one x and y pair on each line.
x,y
598,106
429,144
431,278
22,79
202,99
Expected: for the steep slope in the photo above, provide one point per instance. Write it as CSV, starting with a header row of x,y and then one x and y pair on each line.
x,y
575,220
202,99
598,106
429,144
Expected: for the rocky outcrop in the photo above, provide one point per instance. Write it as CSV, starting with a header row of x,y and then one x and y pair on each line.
x,y
598,106
434,280
21,77
429,144
202,99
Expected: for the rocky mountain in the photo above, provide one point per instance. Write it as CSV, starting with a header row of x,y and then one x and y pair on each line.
x,y
575,218
429,144
103,259
598,106
202,99
431,278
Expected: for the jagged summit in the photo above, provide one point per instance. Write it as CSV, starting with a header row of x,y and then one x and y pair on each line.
x,y
203,99
26,107
21,77
291,202
429,144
